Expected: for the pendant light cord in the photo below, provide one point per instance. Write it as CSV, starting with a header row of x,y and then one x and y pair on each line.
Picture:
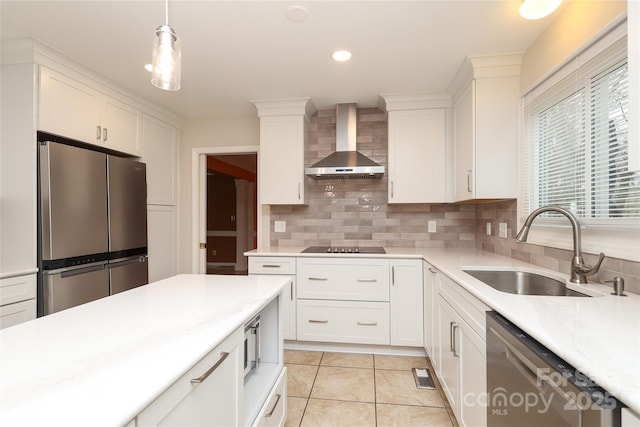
x,y
166,12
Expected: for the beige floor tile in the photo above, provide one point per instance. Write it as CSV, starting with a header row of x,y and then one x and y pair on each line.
x,y
411,416
302,357
295,409
399,362
300,379
333,413
347,360
354,384
399,387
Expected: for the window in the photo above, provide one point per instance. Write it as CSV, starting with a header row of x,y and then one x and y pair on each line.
x,y
576,150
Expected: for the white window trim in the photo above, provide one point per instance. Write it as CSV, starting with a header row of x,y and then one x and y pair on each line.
x,y
616,241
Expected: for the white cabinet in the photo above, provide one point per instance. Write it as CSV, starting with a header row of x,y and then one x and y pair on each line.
x,y
430,294
210,393
629,418
160,153
18,312
281,266
417,160
274,412
406,303
162,241
485,120
283,133
75,110
461,352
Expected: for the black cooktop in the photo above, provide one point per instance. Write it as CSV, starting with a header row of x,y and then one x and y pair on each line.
x,y
344,250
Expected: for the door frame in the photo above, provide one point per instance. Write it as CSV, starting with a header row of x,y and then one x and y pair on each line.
x,y
199,199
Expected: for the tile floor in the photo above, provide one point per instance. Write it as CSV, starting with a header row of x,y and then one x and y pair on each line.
x,y
346,389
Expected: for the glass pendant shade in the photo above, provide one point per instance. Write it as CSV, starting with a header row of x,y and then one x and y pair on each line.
x,y
536,9
167,59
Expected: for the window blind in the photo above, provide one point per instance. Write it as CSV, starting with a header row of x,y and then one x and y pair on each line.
x,y
575,147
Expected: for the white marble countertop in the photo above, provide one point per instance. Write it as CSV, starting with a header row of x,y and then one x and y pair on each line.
x,y
599,336
101,363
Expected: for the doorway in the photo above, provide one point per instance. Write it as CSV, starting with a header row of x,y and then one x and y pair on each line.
x,y
230,211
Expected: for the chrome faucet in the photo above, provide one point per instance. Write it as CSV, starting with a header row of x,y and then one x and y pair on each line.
x,y
579,270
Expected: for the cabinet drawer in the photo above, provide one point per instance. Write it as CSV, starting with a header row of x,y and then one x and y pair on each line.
x,y
470,308
19,288
343,321
274,412
343,279
213,401
272,265
16,313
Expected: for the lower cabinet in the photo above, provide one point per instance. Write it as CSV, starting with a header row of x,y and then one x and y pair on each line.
x,y
17,300
430,294
274,412
209,394
281,266
406,303
460,351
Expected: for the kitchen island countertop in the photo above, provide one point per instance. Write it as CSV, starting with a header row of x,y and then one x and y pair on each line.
x,y
102,363
598,336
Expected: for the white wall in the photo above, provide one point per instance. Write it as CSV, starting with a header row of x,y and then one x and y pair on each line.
x,y
219,131
578,22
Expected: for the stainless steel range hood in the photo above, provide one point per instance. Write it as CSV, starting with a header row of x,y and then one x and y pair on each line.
x,y
346,162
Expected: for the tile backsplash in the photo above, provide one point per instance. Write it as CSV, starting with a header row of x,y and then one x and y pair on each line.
x,y
356,212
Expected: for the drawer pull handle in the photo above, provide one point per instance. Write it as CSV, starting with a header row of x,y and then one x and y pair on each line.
x,y
434,271
320,279
367,323
204,376
367,280
271,266
275,405
318,321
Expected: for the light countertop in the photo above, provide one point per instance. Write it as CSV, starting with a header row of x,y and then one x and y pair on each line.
x,y
599,336
102,363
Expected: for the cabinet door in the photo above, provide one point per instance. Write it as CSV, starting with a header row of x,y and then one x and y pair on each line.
x,y
430,312
288,301
406,303
282,160
121,126
464,137
160,153
214,401
472,411
68,108
417,155
162,241
19,312
448,351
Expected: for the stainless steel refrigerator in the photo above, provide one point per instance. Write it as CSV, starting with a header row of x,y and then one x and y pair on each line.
x,y
92,224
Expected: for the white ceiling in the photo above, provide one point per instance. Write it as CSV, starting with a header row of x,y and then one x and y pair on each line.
x,y
237,51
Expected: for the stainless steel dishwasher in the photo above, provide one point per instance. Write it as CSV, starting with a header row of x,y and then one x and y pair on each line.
x,y
528,385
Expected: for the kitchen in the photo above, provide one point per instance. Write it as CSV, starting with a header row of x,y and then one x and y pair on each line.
x,y
456,225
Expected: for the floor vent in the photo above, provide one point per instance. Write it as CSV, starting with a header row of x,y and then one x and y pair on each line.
x,y
423,378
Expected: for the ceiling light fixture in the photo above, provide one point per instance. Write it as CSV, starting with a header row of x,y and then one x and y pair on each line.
x,y
536,9
167,57
341,55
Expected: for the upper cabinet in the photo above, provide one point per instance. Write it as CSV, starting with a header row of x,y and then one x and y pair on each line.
x,y
417,148
485,95
72,109
160,153
283,133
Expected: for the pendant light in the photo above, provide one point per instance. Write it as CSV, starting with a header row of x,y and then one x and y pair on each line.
x,y
536,9
167,57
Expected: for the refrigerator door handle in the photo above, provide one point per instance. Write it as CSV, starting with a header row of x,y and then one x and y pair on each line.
x,y
75,272
136,260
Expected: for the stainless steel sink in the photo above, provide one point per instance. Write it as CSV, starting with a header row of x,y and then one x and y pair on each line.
x,y
523,283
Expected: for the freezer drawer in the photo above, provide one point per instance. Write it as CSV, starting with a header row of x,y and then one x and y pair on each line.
x,y
127,204
128,273
64,289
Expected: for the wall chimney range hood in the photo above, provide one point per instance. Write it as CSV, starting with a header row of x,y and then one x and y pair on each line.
x,y
346,162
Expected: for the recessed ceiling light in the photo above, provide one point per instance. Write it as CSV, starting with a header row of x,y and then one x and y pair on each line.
x,y
341,55
148,67
297,13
